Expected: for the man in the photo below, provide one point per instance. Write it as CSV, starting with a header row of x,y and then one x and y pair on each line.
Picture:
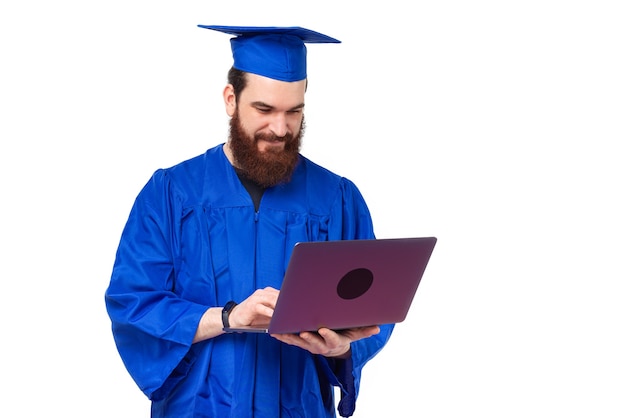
x,y
206,245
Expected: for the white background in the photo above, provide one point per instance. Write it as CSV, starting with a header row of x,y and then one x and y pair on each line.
x,y
497,126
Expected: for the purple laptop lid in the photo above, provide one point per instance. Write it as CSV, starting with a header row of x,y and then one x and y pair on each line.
x,y
347,284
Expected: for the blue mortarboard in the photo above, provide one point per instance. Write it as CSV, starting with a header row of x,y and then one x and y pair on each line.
x,y
274,52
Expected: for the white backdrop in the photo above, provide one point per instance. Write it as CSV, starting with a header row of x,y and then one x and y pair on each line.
x,y
496,126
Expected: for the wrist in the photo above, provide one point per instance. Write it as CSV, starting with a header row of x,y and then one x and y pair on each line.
x,y
345,355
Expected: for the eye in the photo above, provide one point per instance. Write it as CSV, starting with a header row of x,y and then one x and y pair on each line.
x,y
295,111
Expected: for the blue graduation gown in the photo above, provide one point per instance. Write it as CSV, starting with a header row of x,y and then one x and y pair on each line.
x,y
193,240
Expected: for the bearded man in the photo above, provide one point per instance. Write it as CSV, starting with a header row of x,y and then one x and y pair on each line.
x,y
206,245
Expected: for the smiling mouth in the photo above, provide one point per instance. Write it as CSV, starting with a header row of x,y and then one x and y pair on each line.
x,y
273,142
272,146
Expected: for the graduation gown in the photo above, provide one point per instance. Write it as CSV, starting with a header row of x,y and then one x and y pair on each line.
x,y
194,240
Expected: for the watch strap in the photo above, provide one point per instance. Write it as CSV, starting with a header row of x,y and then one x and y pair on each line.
x,y
226,312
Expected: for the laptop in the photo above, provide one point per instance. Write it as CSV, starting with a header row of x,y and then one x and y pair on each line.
x,y
348,284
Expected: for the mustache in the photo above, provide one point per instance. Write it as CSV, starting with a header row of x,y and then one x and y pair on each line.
x,y
272,137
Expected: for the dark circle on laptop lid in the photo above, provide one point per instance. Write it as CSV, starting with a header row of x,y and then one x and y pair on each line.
x,y
355,283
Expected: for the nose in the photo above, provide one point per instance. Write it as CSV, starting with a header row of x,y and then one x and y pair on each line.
x,y
278,125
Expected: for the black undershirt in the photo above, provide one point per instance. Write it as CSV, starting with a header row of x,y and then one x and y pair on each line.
x,y
254,189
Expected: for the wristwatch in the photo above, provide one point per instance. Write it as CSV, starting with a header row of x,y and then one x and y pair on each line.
x,y
226,312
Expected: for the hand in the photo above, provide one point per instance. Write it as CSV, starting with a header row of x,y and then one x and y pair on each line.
x,y
257,309
327,342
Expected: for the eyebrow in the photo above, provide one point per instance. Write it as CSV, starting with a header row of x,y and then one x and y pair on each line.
x,y
267,106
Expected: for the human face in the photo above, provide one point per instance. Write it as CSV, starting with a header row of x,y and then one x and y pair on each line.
x,y
263,156
268,109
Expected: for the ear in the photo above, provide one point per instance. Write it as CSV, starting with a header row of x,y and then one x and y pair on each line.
x,y
230,100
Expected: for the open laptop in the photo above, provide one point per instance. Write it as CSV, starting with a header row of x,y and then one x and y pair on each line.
x,y
348,284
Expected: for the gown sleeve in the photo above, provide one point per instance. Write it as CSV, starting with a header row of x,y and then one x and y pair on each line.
x,y
352,220
153,328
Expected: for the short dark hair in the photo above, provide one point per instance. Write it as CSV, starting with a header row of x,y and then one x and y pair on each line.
x,y
238,80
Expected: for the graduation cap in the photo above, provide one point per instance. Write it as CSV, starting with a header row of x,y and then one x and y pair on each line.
x,y
271,51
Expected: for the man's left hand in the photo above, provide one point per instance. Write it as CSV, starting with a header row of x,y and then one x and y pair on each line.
x,y
327,342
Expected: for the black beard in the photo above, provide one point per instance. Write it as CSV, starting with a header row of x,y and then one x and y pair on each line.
x,y
267,168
